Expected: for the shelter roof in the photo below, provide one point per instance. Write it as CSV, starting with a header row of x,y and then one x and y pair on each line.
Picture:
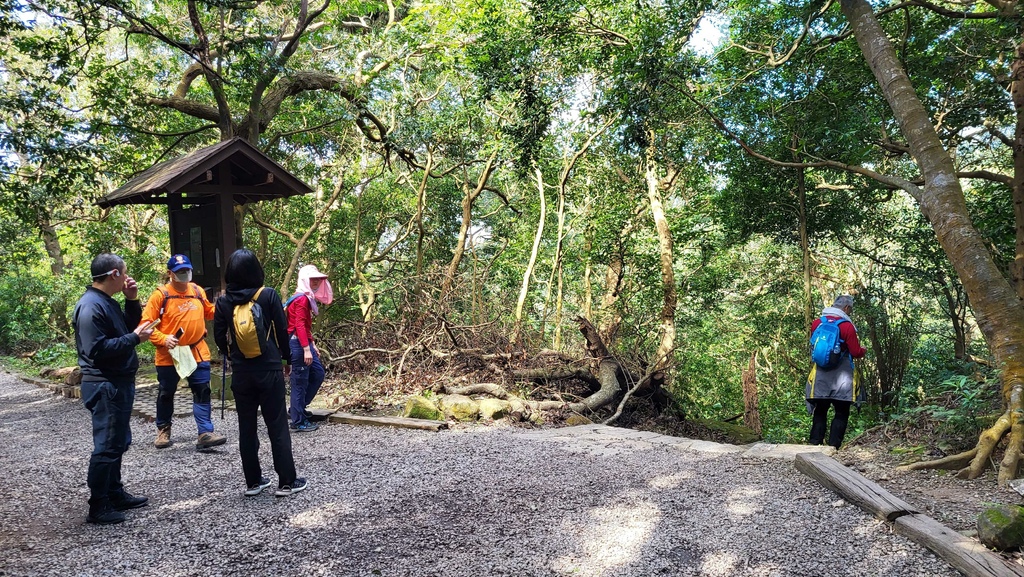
x,y
199,176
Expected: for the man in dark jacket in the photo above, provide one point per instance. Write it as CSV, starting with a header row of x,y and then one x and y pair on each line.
x,y
106,355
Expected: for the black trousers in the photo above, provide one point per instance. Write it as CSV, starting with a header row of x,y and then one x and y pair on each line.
x,y
819,420
111,408
263,391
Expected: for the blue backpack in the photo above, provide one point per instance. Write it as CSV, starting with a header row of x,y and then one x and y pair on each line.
x,y
825,343
291,299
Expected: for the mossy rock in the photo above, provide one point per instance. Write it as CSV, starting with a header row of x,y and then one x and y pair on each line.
x,y
459,407
419,407
1002,527
577,419
736,434
493,409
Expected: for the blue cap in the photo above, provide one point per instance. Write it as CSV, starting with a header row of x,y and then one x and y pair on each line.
x,y
178,262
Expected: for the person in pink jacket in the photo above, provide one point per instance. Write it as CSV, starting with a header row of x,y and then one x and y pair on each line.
x,y
307,371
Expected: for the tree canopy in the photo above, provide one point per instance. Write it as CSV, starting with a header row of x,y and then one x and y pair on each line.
x,y
696,178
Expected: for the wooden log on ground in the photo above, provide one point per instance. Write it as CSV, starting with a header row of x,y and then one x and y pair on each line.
x,y
399,422
965,554
851,486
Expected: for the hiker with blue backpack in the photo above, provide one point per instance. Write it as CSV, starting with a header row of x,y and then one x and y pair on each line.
x,y
307,371
833,380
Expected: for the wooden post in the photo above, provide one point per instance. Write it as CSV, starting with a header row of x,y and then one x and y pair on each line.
x,y
227,221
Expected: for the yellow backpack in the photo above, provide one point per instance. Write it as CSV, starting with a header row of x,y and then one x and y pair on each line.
x,y
250,327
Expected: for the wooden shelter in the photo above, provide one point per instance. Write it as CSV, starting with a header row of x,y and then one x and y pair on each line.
x,y
201,190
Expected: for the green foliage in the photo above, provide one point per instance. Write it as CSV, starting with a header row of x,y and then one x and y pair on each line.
x,y
56,355
24,311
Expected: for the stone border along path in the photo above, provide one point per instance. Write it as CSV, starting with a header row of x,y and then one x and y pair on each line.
x,y
585,500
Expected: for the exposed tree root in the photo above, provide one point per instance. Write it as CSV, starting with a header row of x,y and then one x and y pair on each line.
x,y
1011,459
950,462
986,445
610,388
973,463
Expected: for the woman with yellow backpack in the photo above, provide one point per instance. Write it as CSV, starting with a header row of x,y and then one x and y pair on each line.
x,y
250,329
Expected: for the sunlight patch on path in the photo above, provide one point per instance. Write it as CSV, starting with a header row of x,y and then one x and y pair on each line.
x,y
722,563
670,481
325,515
614,537
743,503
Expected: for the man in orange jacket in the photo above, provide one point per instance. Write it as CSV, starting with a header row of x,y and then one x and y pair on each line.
x,y
183,310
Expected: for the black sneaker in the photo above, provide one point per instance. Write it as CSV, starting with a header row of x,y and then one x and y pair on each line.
x,y
307,413
296,486
256,489
105,516
126,501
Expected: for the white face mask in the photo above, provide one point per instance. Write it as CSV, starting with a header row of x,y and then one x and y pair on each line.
x,y
183,276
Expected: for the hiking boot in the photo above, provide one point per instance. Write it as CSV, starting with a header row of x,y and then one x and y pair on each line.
x,y
253,490
210,440
105,516
286,490
128,501
307,426
163,437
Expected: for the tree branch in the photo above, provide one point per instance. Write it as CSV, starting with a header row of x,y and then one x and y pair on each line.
x,y
987,175
911,188
186,106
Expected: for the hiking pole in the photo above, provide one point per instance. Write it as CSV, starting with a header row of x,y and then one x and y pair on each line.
x,y
223,383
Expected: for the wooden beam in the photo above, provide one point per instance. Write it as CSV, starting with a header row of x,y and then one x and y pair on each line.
x,y
227,227
399,422
853,487
966,555
260,189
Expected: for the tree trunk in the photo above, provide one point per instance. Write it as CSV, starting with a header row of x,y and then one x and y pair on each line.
x,y
586,308
524,289
556,268
1017,95
666,347
610,317
751,416
956,309
805,242
996,304
468,198
59,305
421,203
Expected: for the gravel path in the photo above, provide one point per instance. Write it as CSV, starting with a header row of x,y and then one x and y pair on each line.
x,y
476,501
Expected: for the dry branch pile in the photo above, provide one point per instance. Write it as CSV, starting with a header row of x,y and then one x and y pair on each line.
x,y
380,364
